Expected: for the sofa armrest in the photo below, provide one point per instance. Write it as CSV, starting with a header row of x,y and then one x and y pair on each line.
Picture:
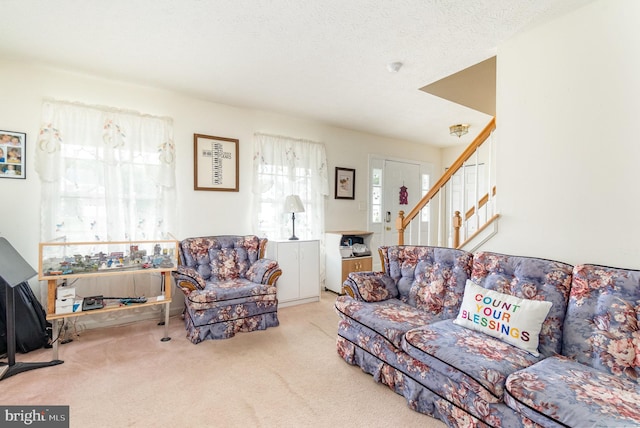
x,y
264,271
188,279
370,286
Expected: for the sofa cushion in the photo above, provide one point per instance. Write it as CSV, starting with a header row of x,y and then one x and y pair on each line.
x,y
466,356
430,278
569,393
391,318
505,317
529,278
602,327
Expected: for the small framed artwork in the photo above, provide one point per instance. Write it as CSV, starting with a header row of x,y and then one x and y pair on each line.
x,y
215,163
13,147
345,183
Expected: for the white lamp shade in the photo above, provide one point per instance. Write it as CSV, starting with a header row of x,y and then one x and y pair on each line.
x,y
293,204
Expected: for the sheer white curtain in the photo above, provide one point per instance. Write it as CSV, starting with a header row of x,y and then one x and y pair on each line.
x,y
286,166
106,174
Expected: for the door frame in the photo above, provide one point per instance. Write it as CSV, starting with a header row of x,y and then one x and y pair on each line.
x,y
378,161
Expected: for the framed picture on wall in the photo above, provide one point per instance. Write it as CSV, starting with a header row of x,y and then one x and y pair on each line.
x,y
345,183
215,163
13,153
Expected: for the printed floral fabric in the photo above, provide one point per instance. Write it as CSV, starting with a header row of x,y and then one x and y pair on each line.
x,y
442,369
373,286
231,256
262,270
216,293
225,321
529,278
467,356
431,278
602,328
220,257
567,392
389,318
426,390
184,273
233,289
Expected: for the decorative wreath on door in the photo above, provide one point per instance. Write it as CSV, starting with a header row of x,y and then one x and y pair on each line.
x,y
404,195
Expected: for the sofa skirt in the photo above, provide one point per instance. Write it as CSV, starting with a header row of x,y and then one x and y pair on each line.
x,y
225,321
409,377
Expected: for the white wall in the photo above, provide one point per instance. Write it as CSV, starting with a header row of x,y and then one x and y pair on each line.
x,y
23,87
568,100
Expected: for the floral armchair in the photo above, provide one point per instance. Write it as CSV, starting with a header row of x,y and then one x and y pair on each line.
x,y
228,285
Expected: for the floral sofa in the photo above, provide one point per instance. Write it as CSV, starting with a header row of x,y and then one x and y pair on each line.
x,y
228,285
422,328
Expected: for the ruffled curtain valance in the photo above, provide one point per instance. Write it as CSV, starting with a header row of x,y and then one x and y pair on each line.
x,y
106,173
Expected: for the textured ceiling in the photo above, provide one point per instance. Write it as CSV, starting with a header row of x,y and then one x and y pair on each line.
x,y
320,59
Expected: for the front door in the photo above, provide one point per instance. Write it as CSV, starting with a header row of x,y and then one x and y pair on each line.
x,y
401,192
395,185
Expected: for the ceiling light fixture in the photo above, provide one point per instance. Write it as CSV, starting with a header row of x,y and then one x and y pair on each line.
x,y
459,129
394,67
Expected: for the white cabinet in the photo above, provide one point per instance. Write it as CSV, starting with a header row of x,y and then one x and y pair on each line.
x,y
340,263
299,261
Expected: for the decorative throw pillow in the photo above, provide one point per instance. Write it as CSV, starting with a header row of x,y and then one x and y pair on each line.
x,y
374,286
505,317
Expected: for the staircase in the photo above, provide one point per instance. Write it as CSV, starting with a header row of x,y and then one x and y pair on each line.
x,y
461,206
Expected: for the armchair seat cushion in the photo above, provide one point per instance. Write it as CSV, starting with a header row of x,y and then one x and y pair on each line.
x,y
218,293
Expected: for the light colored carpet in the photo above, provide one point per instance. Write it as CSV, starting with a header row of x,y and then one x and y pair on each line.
x,y
287,376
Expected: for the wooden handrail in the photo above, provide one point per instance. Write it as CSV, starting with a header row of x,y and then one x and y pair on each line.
x,y
403,221
455,166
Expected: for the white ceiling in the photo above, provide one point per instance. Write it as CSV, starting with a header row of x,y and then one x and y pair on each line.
x,y
319,59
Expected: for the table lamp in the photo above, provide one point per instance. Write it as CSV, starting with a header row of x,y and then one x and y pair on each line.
x,y
293,205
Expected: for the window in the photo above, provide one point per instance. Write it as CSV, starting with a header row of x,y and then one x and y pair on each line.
x,y
107,174
376,195
285,166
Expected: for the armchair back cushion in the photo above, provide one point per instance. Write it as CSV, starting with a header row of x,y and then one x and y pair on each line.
x,y
220,258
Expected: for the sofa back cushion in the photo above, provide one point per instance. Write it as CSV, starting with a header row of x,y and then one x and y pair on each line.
x,y
529,278
220,258
602,327
429,278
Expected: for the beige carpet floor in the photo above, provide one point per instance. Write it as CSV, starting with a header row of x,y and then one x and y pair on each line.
x,y
287,376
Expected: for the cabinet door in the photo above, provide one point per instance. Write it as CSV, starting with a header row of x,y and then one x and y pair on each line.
x,y
363,264
288,256
309,256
